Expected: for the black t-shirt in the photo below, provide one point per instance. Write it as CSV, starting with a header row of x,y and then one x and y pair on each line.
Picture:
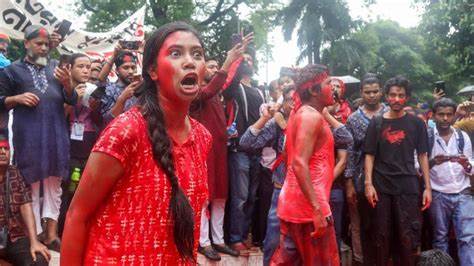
x,y
393,148
248,105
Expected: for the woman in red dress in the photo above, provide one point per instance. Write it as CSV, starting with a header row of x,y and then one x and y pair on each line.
x,y
140,197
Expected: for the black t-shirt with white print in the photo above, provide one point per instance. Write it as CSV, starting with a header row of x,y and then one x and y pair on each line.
x,y
394,167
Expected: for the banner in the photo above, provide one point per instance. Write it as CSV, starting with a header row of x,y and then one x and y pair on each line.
x,y
16,15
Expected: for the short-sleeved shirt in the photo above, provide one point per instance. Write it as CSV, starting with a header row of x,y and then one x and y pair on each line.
x,y
293,206
19,194
393,148
134,225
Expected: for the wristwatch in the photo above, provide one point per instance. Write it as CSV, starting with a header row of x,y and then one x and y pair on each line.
x,y
469,168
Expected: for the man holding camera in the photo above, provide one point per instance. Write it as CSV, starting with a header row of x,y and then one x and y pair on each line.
x,y
118,96
37,89
450,167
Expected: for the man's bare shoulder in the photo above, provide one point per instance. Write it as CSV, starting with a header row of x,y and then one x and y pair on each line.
x,y
307,115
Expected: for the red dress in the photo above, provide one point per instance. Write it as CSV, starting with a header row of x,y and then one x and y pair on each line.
x,y
133,226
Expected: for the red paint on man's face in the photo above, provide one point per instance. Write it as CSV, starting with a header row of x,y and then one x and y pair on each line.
x,y
4,144
393,101
180,66
327,93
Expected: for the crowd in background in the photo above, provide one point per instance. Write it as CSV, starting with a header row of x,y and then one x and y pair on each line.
x,y
60,107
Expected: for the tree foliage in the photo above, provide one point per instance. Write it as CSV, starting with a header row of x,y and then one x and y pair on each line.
x,y
317,22
216,20
449,25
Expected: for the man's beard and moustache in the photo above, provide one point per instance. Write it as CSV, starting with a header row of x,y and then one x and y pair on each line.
x,y
36,59
246,69
208,78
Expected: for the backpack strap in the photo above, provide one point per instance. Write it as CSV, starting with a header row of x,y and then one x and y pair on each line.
x,y
430,141
460,141
378,119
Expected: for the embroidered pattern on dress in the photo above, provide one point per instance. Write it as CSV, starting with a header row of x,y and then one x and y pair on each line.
x,y
40,81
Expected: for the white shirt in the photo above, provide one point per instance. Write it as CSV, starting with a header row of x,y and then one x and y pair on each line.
x,y
450,177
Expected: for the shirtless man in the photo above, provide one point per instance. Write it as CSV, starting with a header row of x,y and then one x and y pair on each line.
x,y
307,230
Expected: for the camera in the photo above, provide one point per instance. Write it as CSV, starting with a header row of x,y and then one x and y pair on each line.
x,y
130,45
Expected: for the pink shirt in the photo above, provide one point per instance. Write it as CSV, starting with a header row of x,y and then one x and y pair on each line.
x,y
292,204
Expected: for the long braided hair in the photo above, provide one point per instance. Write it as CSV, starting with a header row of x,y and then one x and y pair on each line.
x,y
181,211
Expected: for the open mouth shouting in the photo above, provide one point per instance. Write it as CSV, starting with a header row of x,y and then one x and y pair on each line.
x,y
189,84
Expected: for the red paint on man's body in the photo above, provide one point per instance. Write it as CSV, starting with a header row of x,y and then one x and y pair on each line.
x,y
293,205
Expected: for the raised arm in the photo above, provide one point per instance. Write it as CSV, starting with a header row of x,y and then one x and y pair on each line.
x,y
101,174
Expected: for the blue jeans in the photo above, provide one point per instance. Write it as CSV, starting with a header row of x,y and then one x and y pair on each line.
x,y
337,207
243,175
458,208
272,236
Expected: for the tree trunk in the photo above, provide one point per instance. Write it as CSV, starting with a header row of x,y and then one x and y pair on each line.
x,y
316,55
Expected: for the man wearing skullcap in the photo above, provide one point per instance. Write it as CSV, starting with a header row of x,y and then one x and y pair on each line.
x,y
36,89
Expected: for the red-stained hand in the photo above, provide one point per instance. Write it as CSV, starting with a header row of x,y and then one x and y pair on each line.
x,y
320,224
426,199
371,195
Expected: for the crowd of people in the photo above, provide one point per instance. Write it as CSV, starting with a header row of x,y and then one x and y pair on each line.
x,y
110,166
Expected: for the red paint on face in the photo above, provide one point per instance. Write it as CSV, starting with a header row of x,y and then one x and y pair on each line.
x,y
4,144
395,101
180,56
327,95
43,33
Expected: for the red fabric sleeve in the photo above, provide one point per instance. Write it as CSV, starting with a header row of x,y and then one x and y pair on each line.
x,y
214,87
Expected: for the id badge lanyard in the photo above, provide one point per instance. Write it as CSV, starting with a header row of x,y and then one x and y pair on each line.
x,y
78,127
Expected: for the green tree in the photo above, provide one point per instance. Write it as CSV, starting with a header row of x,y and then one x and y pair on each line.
x,y
449,25
317,22
385,48
216,20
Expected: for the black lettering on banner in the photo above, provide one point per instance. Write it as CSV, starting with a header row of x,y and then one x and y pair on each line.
x,y
90,40
13,16
34,8
114,38
47,18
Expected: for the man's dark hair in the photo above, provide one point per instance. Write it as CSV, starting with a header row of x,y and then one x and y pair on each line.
x,y
435,257
399,81
119,60
212,59
271,86
288,90
72,58
444,102
370,78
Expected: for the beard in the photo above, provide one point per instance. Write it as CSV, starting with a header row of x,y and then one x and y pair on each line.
x,y
208,77
36,59
245,69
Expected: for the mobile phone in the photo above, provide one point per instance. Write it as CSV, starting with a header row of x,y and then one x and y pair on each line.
x,y
236,39
440,85
64,27
129,45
